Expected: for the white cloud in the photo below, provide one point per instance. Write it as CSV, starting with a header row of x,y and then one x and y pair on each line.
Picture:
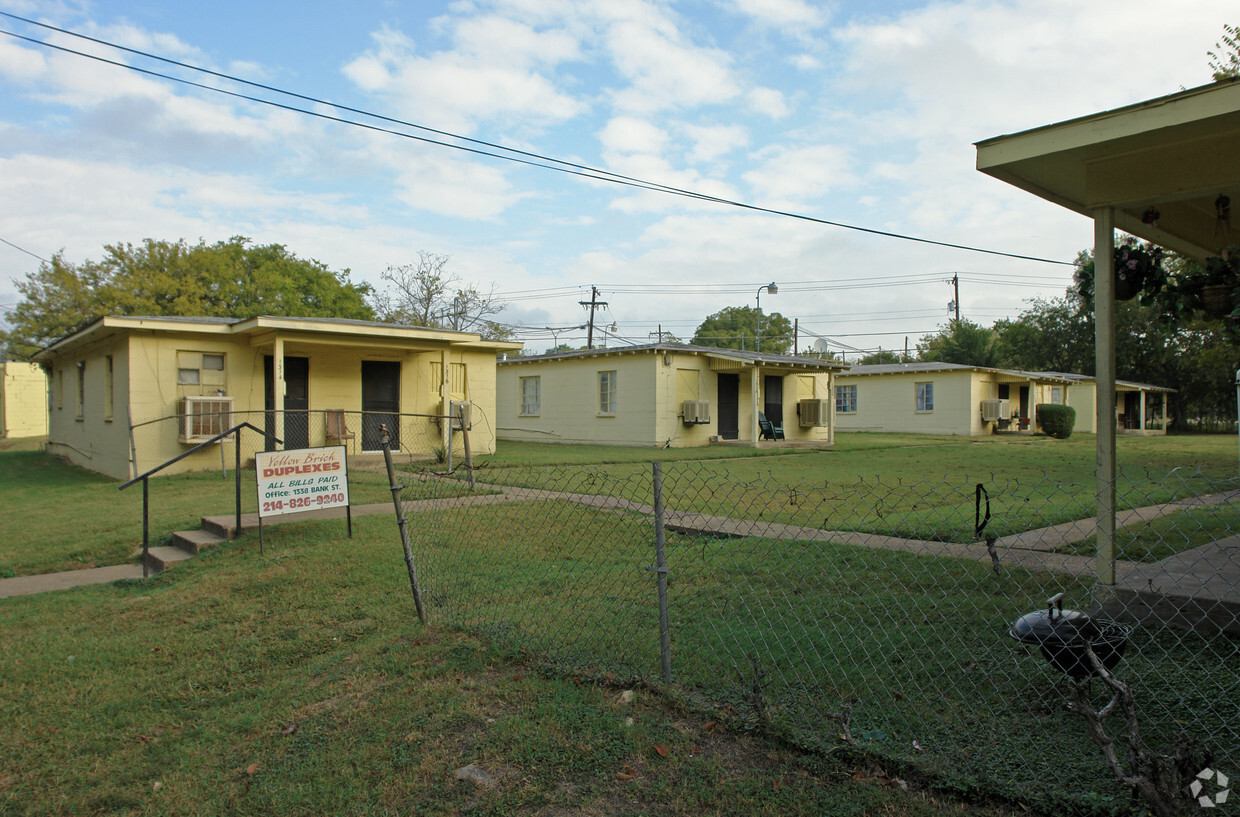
x,y
628,134
795,15
791,175
711,142
494,73
769,102
665,72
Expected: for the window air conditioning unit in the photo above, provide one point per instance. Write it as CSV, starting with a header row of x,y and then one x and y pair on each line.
x,y
993,410
462,412
695,412
814,413
203,417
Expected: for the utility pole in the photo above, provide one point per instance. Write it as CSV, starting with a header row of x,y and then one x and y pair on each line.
x,y
956,292
593,303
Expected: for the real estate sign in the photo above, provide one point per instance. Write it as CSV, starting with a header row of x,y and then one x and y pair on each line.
x,y
306,479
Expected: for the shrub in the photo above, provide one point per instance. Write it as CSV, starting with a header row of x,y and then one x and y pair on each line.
x,y
1056,420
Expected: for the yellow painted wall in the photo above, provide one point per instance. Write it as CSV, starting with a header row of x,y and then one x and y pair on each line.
x,y
888,402
652,388
23,400
1084,398
97,436
145,388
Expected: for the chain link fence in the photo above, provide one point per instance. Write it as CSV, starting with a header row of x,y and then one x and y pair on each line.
x,y
871,618
415,437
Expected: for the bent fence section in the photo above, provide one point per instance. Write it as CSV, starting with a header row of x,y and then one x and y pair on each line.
x,y
871,617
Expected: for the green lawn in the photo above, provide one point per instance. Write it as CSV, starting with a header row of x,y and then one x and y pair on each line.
x,y
914,646
903,484
300,683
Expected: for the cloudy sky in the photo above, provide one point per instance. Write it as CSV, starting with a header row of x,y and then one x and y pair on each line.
x,y
859,112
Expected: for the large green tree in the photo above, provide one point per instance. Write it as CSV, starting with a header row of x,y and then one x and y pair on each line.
x,y
734,327
961,341
1158,340
230,278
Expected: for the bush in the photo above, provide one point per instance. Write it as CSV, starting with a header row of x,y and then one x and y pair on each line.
x,y
1056,420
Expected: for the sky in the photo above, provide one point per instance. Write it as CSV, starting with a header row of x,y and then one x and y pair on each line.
x,y
858,112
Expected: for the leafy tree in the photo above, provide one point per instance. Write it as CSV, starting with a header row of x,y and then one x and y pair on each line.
x,y
226,279
1225,63
423,293
1050,336
961,341
1158,340
733,327
880,357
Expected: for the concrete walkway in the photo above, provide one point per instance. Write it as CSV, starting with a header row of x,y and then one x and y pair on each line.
x,y
1203,582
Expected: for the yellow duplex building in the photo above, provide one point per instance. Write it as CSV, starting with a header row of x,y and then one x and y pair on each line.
x,y
23,400
665,394
955,399
129,393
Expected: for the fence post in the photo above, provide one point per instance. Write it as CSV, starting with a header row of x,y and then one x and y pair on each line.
x,y
401,521
146,527
660,568
237,474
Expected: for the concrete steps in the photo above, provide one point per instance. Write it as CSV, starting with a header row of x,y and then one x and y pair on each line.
x,y
186,544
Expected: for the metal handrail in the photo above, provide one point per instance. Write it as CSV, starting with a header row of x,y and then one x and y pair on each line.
x,y
146,494
195,449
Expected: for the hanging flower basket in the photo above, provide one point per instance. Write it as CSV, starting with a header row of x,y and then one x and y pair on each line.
x,y
1127,287
1136,268
1216,300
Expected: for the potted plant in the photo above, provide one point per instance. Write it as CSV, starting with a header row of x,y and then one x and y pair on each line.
x,y
1212,287
1136,268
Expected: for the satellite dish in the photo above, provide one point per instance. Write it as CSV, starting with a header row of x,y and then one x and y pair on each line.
x,y
820,346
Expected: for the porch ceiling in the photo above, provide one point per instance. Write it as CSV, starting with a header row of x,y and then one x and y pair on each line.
x,y
1176,154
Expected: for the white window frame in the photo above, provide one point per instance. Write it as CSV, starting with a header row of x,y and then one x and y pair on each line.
x,y
531,396
1057,395
925,397
607,390
846,399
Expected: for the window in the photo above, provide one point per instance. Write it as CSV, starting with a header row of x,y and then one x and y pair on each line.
x,y
846,399
607,392
1057,394
457,381
81,388
925,397
531,399
200,373
107,389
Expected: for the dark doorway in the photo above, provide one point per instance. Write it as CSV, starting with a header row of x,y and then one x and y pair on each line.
x,y
296,401
729,406
1024,407
773,402
380,403
1132,410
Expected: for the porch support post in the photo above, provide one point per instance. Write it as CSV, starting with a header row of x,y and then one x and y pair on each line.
x,y
1164,414
831,407
277,370
755,380
445,398
1143,394
1104,351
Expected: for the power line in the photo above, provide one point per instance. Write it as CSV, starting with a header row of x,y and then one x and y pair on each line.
x,y
558,165
23,249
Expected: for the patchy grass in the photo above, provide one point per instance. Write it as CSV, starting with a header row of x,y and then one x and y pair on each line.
x,y
71,518
299,682
1168,535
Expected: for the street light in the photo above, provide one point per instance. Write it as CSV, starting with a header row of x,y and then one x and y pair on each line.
x,y
774,290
